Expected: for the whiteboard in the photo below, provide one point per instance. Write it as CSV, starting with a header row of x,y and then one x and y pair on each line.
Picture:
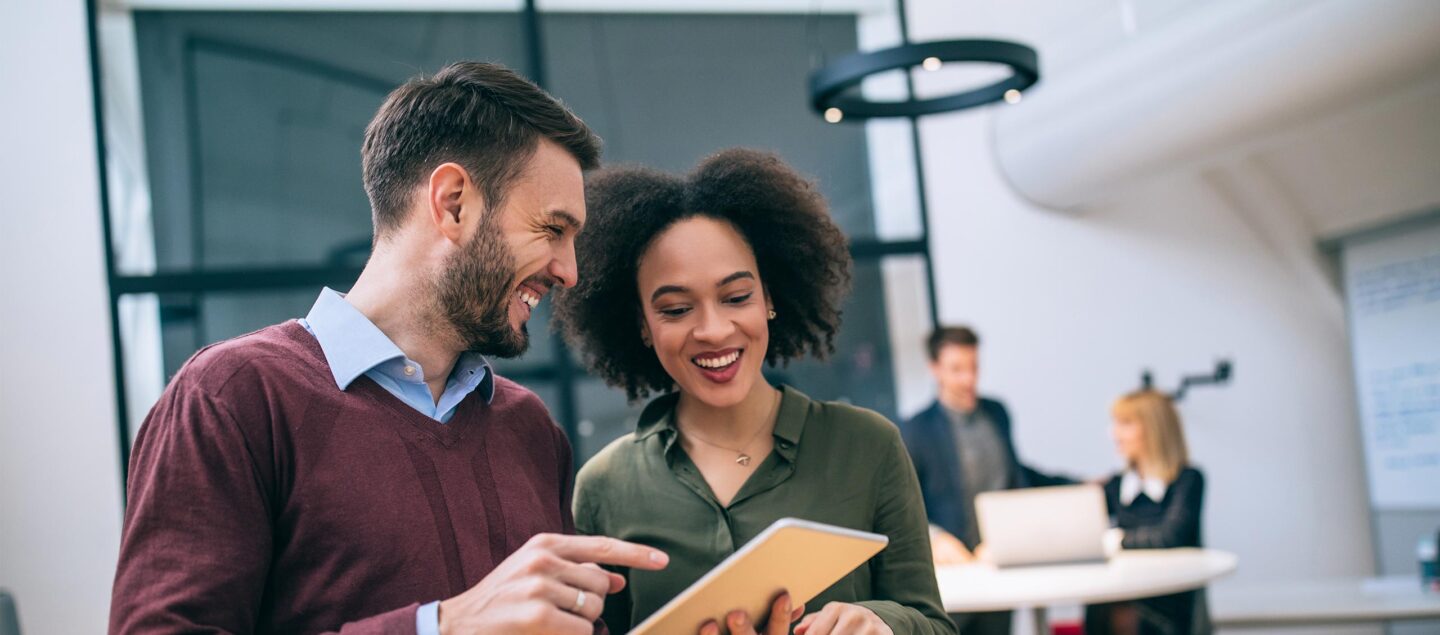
x,y
1392,291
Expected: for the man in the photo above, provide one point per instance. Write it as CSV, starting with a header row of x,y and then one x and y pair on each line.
x,y
961,447
364,470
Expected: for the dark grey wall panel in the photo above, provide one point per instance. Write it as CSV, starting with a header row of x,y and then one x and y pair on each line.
x,y
254,123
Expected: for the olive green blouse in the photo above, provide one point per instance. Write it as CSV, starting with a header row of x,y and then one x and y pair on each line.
x,y
832,463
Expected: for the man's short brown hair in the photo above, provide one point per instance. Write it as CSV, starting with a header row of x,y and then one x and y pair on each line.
x,y
482,116
950,336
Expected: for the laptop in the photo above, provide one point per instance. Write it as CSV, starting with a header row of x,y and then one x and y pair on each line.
x,y
1043,525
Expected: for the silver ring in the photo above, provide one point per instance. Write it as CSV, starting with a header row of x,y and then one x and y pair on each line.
x,y
579,601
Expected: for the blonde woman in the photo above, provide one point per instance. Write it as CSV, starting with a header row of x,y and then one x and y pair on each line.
x,y
1156,503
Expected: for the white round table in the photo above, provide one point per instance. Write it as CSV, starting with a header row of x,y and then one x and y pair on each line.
x,y
1128,575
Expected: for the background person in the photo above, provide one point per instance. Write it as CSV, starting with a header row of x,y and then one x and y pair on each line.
x,y
962,446
1156,502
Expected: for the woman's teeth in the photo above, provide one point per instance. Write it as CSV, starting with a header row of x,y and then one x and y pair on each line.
x,y
717,362
528,298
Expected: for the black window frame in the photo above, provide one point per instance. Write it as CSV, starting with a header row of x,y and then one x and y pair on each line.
x,y
560,371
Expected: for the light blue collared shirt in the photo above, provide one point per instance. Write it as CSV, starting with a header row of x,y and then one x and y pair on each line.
x,y
354,346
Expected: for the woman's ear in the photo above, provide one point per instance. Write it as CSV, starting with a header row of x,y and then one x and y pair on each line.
x,y
645,333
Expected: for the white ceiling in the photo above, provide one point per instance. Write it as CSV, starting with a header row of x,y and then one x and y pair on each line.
x,y
1363,167
1350,125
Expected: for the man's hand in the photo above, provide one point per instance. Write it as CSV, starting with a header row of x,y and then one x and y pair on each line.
x,y
781,616
850,619
981,553
551,585
947,549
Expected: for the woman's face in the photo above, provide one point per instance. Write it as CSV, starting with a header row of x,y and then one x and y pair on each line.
x,y
1129,438
705,309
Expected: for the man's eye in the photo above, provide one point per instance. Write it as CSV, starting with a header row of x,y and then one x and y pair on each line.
x,y
555,230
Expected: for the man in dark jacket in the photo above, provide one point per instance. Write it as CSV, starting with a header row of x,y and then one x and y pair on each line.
x,y
961,446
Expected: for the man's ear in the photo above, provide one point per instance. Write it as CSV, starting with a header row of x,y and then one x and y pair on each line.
x,y
445,194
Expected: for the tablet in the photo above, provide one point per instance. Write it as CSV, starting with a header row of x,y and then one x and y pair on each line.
x,y
798,556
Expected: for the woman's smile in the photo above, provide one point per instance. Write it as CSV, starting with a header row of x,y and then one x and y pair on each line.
x,y
719,366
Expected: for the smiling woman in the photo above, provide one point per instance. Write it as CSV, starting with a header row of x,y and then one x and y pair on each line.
x,y
778,215
689,286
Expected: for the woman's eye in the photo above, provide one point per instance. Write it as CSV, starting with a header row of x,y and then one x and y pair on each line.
x,y
741,299
677,312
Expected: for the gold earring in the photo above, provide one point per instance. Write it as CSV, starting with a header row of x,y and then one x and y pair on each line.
x,y
772,314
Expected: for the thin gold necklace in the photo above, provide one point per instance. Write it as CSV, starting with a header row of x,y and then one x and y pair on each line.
x,y
741,457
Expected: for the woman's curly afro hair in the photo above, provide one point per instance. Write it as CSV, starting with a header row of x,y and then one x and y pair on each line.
x,y
804,259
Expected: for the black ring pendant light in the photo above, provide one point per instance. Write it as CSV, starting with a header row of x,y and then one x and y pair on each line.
x,y
829,84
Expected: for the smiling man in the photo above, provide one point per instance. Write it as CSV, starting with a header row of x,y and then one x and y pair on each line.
x,y
364,469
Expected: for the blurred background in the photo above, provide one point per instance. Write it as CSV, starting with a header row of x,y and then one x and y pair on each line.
x,y
1251,181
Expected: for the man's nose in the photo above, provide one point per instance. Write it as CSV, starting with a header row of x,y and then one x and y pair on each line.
x,y
564,267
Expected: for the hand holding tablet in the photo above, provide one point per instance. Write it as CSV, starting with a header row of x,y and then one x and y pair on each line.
x,y
781,616
790,562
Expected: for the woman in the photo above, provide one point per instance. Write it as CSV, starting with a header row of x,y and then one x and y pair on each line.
x,y
687,286
1156,505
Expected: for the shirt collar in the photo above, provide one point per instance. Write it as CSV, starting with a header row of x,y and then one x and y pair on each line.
x,y
656,416
659,416
959,417
353,345
1132,486
790,421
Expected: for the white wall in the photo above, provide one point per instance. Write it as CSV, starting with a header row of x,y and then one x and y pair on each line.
x,y
1170,277
59,468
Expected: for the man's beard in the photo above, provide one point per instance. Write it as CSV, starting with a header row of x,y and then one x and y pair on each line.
x,y
474,295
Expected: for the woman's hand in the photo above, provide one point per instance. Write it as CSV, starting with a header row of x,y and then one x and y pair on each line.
x,y
781,616
1113,540
843,619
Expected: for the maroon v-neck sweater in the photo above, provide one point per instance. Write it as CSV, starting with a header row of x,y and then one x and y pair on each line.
x,y
264,499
